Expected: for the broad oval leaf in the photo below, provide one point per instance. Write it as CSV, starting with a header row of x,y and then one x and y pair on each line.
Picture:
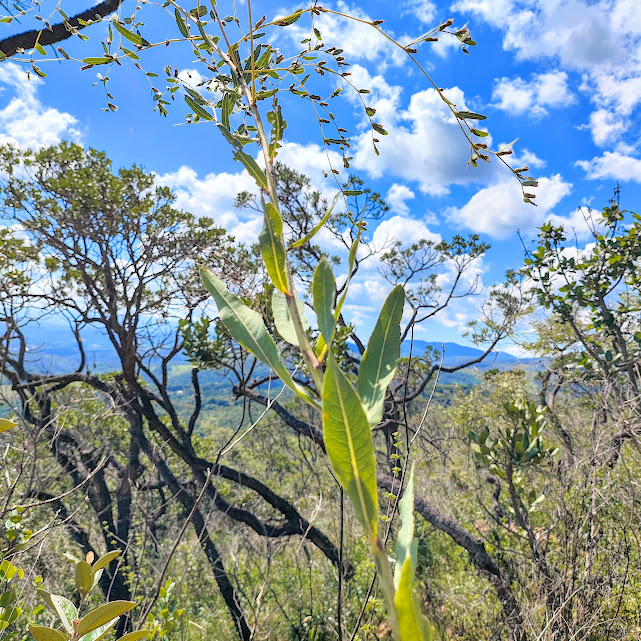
x,y
106,559
135,636
379,361
272,247
43,633
65,610
99,633
102,615
248,329
348,441
84,577
324,294
6,425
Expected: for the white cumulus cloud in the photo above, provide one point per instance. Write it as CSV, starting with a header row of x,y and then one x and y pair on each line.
x,y
517,95
612,165
25,121
499,210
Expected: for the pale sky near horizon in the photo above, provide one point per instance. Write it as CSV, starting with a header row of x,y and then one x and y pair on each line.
x,y
562,76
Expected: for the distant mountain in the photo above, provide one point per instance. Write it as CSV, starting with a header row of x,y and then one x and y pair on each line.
x,y
53,348
455,354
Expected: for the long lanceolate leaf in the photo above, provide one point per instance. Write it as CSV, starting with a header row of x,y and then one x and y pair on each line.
x,y
273,249
348,441
381,356
413,626
317,228
324,293
247,328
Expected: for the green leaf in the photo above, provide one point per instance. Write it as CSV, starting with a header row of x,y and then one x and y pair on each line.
x,y
135,636
65,610
103,615
198,110
379,129
348,441
132,37
40,49
99,633
413,625
43,633
106,559
481,134
469,114
317,228
252,167
406,545
97,61
181,23
381,356
248,329
324,295
84,577
6,425
351,263
272,247
291,19
283,319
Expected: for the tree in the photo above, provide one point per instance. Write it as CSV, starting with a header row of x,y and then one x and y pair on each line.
x,y
347,415
119,257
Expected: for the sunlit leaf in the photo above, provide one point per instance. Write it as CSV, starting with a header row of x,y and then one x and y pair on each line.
x,y
324,294
381,356
6,425
65,610
348,441
248,329
272,247
43,633
103,615
318,227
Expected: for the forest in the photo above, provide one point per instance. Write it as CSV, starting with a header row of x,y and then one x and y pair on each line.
x,y
206,435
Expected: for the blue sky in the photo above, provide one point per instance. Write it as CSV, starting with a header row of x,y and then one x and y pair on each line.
x,y
562,76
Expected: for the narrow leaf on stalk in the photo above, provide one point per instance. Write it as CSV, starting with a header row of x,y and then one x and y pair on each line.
x,y
307,237
252,167
247,328
132,37
272,247
282,317
198,110
381,356
413,625
350,264
324,294
348,441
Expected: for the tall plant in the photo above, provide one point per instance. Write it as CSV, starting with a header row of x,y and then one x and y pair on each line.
x,y
241,76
